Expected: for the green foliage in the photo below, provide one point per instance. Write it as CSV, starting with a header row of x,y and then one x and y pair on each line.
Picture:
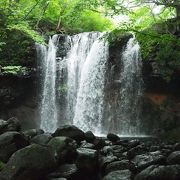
x,y
11,69
63,88
1,165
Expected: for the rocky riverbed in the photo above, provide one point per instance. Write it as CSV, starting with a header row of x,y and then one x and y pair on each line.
x,y
71,154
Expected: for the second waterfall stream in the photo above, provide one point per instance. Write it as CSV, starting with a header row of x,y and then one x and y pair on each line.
x,y
83,73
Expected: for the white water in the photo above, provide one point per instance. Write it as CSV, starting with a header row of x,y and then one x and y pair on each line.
x,y
90,98
80,47
131,90
48,112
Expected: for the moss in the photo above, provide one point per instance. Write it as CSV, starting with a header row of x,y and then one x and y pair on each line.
x,y
1,165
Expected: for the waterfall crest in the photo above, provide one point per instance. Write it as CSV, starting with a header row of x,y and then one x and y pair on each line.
x,y
48,109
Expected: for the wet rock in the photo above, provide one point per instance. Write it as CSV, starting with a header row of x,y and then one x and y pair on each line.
x,y
144,160
177,147
71,132
3,126
87,160
118,150
84,144
174,158
118,175
30,163
33,132
99,143
113,137
140,149
133,143
64,148
105,160
13,124
117,165
156,172
68,171
57,179
154,148
10,142
107,150
41,139
89,137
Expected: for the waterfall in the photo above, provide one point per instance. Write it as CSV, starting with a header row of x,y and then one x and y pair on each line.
x,y
48,110
80,47
131,90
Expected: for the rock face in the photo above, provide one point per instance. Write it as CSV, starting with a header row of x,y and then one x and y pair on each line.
x,y
30,163
18,98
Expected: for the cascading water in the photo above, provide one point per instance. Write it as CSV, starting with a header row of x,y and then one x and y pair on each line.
x,y
48,113
80,47
82,72
131,90
89,106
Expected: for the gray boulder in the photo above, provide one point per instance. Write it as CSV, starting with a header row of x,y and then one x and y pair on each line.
x,y
174,158
30,163
10,142
118,175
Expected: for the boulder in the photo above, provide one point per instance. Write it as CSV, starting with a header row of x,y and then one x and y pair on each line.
x,y
41,139
118,175
84,144
156,172
33,132
89,137
31,163
117,165
64,148
174,158
14,124
105,160
68,171
144,160
113,137
71,132
3,126
99,143
87,160
10,142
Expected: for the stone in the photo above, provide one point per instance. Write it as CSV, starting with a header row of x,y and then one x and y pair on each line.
x,y
117,165
33,132
71,132
118,175
31,163
174,158
140,149
89,137
68,171
144,160
13,124
99,143
113,137
10,142
87,160
41,139
3,126
105,160
133,143
84,144
64,148
177,147
156,172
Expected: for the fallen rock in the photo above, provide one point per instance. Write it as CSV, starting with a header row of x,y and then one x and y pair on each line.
x,y
156,172
41,139
174,158
14,124
118,175
10,142
113,137
89,137
71,132
30,163
68,171
33,132
64,149
87,160
144,160
3,126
